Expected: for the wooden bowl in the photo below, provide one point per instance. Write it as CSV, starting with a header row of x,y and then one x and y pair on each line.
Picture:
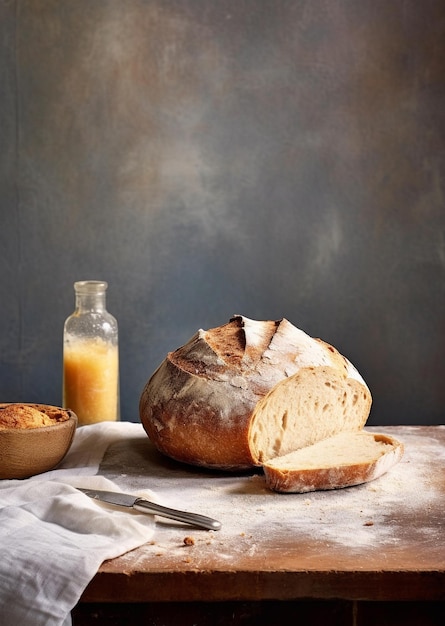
x,y
25,452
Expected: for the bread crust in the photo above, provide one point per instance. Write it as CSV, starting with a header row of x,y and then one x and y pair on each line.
x,y
335,476
191,420
198,405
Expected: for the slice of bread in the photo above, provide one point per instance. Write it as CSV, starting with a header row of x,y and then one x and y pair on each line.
x,y
343,460
309,406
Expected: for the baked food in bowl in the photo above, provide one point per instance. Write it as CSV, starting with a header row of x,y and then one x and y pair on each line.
x,y
34,438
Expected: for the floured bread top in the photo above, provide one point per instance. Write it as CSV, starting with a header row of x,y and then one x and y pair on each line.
x,y
267,351
31,416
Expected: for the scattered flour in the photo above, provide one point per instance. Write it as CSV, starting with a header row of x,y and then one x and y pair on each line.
x,y
255,520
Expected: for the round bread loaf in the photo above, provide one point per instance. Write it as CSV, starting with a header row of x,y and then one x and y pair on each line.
x,y
238,395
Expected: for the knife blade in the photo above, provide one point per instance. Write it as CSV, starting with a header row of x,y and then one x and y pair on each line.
x,y
146,506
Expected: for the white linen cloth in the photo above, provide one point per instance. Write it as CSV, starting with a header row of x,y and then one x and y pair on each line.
x,y
53,538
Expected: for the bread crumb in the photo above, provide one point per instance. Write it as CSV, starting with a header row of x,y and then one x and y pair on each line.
x,y
368,523
189,541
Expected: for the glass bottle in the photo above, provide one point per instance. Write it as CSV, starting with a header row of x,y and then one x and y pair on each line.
x,y
91,356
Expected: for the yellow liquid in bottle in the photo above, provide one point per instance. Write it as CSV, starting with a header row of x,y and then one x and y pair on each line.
x,y
91,380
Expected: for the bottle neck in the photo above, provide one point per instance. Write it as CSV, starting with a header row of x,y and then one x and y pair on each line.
x,y
90,296
90,302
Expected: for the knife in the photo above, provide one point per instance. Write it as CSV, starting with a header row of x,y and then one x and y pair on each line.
x,y
145,506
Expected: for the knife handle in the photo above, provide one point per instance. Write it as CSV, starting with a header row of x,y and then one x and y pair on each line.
x,y
194,519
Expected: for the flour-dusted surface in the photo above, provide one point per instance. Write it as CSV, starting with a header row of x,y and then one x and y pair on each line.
x,y
394,522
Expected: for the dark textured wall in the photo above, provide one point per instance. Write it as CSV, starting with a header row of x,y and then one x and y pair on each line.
x,y
271,158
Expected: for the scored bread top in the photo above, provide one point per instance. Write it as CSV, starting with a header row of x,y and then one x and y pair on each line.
x,y
264,350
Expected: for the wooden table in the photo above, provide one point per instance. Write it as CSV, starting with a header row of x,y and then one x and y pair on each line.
x,y
343,557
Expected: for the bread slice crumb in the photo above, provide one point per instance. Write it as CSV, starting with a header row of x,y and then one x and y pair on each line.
x,y
343,460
